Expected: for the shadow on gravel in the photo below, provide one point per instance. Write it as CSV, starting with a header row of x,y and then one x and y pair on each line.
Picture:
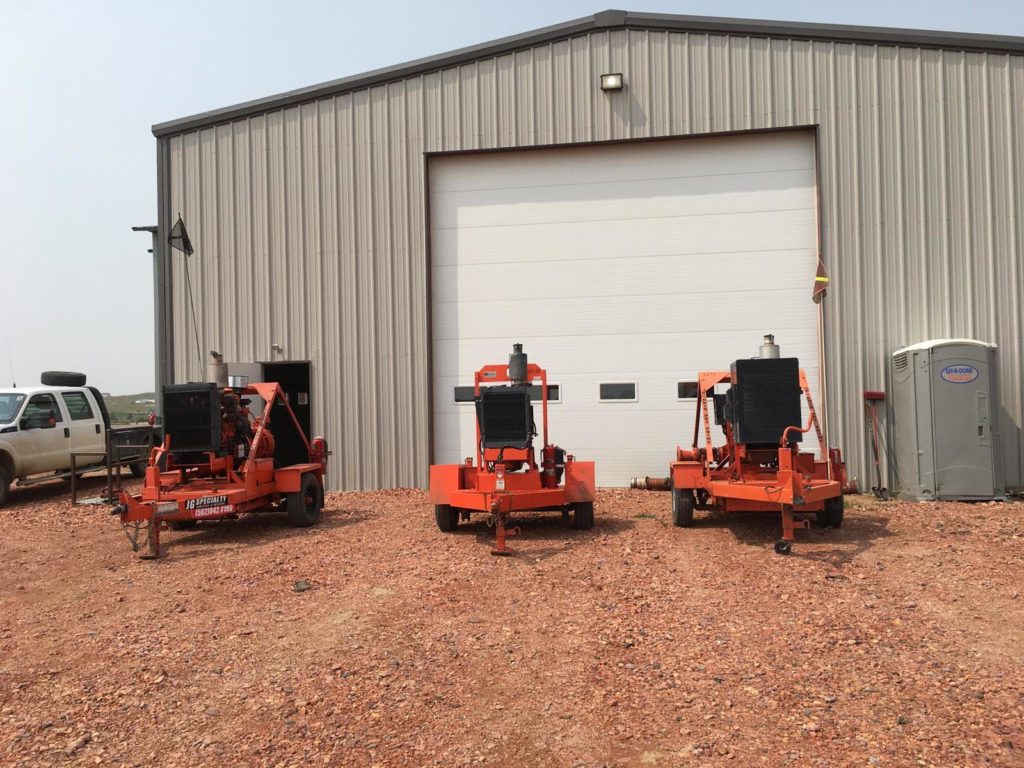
x,y
257,528
55,491
833,546
543,526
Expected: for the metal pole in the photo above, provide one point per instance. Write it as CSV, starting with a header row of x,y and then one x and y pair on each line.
x,y
822,381
158,307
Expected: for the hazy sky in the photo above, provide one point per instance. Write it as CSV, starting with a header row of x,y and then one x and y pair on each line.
x,y
82,82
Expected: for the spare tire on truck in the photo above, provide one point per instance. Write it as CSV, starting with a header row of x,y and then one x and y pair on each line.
x,y
62,379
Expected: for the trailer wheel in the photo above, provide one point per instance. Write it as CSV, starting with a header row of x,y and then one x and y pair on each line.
x,y
583,515
682,507
447,517
137,468
304,507
783,547
5,484
832,515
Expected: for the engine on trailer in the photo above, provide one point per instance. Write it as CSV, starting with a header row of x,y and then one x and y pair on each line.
x,y
762,400
203,418
506,476
235,430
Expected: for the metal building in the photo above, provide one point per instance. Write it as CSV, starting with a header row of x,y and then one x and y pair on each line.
x,y
379,237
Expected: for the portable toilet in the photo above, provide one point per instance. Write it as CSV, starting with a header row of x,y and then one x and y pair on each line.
x,y
945,427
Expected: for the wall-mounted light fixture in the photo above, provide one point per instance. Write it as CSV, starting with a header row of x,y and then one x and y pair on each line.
x,y
612,82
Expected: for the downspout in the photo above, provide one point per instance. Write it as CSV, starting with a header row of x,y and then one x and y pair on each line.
x,y
162,288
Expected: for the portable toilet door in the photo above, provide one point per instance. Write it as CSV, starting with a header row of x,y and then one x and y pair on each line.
x,y
964,403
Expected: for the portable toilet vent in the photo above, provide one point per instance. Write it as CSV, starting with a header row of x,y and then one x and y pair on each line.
x,y
945,429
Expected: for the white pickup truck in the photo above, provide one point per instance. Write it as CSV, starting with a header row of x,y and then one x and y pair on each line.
x,y
41,426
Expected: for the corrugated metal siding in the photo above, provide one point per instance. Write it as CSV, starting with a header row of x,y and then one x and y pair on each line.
x,y
310,231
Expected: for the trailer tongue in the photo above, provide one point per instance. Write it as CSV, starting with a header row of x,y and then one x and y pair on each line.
x,y
218,460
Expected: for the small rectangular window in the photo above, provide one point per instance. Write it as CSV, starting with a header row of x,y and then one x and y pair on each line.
x,y
78,405
40,403
620,391
464,394
686,390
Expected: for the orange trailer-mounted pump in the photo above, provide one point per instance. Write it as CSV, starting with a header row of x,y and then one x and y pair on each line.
x,y
506,477
760,467
217,460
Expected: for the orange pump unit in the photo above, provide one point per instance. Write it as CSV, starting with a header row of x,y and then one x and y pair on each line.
x,y
217,460
505,477
760,467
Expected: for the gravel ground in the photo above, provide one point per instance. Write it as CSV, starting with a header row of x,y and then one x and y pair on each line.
x,y
897,640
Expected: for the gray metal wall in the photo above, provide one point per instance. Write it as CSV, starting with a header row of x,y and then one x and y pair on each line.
x,y
309,221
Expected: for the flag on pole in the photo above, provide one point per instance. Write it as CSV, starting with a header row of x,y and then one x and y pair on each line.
x,y
179,238
820,283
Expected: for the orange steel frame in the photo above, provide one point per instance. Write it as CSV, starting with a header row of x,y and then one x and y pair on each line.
x,y
166,494
498,491
731,477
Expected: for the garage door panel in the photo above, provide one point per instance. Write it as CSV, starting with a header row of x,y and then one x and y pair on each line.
x,y
722,234
607,315
609,264
634,200
633,275
577,364
627,162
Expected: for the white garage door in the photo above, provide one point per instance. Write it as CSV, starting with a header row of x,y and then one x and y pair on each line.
x,y
634,265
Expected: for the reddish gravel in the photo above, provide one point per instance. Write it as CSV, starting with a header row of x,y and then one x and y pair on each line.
x,y
895,641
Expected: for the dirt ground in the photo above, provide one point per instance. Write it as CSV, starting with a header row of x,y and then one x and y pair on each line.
x,y
897,640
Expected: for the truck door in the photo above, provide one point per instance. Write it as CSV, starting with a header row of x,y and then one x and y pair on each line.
x,y
46,444
85,427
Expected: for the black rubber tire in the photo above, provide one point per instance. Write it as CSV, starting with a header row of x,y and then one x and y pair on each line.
x,y
137,468
62,379
683,504
783,547
304,507
5,484
447,517
182,525
832,515
583,515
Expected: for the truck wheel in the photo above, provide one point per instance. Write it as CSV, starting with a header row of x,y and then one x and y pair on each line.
x,y
5,484
304,507
447,517
583,515
682,507
832,515
62,379
137,468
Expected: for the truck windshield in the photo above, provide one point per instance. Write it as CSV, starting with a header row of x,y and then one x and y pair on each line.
x,y
10,404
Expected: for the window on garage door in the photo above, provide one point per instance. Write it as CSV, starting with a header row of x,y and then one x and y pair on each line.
x,y
617,391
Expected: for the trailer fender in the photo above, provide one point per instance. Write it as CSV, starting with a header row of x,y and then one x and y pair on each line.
x,y
579,481
289,479
445,478
687,474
